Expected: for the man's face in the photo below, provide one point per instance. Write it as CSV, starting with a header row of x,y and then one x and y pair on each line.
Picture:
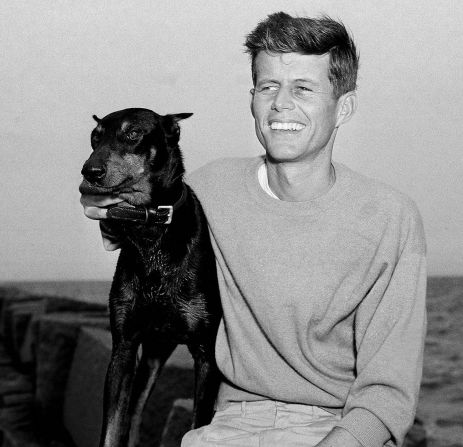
x,y
293,105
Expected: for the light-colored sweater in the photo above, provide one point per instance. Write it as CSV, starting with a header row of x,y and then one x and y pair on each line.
x,y
324,301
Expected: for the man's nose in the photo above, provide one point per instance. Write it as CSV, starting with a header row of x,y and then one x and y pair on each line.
x,y
283,100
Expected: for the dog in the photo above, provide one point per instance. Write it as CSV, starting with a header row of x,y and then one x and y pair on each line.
x,y
165,289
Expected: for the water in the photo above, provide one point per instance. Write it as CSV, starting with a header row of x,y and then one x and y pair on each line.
x,y
441,397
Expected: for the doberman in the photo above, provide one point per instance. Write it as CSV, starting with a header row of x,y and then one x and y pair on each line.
x,y
165,290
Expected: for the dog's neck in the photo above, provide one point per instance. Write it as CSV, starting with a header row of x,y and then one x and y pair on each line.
x,y
147,240
162,195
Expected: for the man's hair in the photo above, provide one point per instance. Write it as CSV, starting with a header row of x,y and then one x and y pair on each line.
x,y
281,33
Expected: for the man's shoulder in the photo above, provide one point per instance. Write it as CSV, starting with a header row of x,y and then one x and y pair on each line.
x,y
365,189
377,209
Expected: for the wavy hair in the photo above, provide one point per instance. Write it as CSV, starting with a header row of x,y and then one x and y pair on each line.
x,y
282,33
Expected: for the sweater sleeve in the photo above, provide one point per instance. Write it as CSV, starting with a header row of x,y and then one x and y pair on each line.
x,y
390,327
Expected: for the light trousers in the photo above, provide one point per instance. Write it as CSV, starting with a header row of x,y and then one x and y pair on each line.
x,y
264,424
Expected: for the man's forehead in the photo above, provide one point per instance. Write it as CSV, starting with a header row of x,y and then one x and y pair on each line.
x,y
296,64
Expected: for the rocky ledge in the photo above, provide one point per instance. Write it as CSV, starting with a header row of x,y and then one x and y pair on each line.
x,y
54,351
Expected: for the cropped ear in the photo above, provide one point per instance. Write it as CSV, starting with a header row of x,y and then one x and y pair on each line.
x,y
170,124
180,116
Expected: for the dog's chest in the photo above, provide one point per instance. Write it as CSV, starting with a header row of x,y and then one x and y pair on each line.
x,y
167,298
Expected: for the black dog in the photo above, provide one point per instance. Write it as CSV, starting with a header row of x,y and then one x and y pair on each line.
x,y
165,288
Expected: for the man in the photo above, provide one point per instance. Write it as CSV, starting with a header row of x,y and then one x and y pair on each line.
x,y
321,270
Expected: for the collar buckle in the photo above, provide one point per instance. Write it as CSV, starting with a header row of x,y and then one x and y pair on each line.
x,y
168,215
162,215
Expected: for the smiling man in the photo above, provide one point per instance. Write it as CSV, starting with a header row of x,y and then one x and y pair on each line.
x,y
297,114
321,270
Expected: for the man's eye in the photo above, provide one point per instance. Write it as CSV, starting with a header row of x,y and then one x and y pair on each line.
x,y
303,92
267,89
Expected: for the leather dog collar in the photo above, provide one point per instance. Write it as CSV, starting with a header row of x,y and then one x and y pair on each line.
x,y
161,215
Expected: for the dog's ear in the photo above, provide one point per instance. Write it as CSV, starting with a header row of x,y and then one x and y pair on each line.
x,y
181,116
170,124
98,120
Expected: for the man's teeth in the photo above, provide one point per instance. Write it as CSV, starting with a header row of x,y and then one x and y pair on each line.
x,y
286,126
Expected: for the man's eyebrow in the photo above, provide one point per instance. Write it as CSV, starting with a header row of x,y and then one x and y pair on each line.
x,y
275,81
307,80
260,81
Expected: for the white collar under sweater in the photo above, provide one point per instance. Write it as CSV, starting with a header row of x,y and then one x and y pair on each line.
x,y
262,175
263,180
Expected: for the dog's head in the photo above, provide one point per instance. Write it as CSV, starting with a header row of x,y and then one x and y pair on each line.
x,y
134,150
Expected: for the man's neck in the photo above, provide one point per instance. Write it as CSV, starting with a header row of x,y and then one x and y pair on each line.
x,y
300,182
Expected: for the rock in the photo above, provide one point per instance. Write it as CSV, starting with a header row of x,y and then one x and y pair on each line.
x,y
16,405
18,309
8,295
416,436
83,406
57,335
176,382
20,316
9,307
178,423
22,439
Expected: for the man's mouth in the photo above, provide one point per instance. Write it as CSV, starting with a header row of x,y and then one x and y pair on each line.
x,y
289,126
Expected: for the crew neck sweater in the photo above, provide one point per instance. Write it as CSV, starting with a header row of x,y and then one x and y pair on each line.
x,y
323,301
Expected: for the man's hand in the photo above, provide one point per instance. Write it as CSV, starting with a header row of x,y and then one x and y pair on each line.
x,y
338,437
96,207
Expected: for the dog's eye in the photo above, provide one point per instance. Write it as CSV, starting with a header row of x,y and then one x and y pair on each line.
x,y
133,135
95,138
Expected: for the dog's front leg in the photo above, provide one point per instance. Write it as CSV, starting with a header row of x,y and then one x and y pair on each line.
x,y
207,381
117,394
154,355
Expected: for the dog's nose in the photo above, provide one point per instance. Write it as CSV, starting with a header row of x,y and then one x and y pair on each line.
x,y
93,174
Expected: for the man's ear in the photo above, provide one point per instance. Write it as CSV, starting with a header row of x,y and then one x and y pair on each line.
x,y
170,124
251,98
347,105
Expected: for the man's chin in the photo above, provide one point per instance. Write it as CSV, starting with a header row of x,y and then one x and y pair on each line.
x,y
281,155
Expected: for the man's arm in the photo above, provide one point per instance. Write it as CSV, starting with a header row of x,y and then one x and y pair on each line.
x,y
95,207
338,437
390,327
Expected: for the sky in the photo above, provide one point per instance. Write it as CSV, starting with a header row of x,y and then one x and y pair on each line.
x,y
63,61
